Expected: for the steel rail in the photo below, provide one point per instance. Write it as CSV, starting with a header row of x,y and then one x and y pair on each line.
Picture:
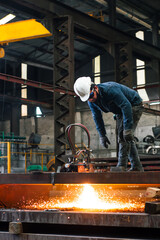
x,y
36,84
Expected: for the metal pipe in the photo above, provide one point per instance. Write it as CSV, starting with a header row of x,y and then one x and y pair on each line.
x,y
133,18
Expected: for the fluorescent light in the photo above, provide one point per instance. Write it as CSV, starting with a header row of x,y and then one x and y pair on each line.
x,y
7,18
155,103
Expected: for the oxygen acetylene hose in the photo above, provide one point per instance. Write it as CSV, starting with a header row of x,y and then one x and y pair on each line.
x,y
67,134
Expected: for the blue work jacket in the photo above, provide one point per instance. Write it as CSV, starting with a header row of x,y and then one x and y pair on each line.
x,y
116,98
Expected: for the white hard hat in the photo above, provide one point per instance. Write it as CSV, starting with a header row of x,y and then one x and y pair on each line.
x,y
82,87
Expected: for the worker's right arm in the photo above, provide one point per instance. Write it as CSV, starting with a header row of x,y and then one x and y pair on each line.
x,y
98,119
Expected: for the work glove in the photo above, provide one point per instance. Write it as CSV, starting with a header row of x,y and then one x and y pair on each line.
x,y
128,135
104,141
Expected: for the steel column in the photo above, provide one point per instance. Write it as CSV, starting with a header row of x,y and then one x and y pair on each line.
x,y
64,104
15,116
155,29
156,71
123,59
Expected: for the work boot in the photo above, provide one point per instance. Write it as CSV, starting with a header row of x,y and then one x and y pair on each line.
x,y
137,169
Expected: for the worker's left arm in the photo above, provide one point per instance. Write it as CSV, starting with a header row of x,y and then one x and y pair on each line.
x,y
98,119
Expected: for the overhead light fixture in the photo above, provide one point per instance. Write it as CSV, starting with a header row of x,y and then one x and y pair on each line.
x,y
7,18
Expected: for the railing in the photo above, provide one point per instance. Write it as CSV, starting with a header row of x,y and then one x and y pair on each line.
x,y
21,155
41,154
8,157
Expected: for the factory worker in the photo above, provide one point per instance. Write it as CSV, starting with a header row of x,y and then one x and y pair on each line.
x,y
126,104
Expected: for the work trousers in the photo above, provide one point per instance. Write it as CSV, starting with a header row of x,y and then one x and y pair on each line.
x,y
128,150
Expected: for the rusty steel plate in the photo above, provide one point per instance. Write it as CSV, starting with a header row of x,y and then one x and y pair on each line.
x,y
140,220
82,178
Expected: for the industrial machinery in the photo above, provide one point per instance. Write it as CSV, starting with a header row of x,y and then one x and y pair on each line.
x,y
153,142
79,161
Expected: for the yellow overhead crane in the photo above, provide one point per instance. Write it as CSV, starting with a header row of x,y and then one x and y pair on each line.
x,y
19,31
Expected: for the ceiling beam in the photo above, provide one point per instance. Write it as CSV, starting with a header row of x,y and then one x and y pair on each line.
x,y
90,25
11,99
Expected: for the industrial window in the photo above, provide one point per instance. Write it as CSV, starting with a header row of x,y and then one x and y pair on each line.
x,y
97,69
140,66
24,108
